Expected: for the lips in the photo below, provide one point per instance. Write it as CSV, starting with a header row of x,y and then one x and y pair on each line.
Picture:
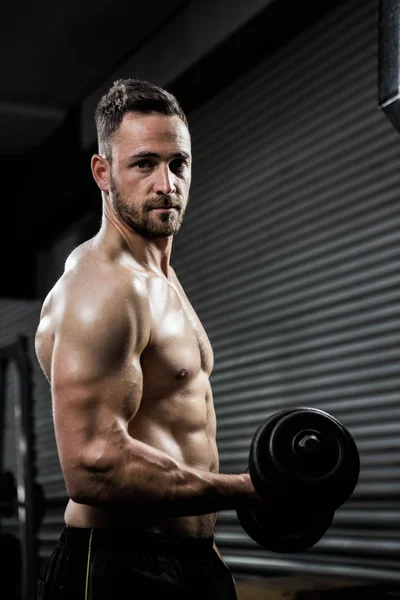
x,y
164,207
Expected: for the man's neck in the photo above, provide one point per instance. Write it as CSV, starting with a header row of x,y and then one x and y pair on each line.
x,y
152,253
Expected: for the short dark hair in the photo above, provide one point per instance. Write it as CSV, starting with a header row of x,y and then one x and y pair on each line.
x,y
127,96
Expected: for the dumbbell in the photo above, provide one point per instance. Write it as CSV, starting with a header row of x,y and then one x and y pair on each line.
x,y
304,464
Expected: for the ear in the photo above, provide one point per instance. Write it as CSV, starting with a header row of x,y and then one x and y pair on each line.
x,y
101,172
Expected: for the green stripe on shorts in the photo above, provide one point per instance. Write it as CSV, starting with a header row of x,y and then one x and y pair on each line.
x,y
88,564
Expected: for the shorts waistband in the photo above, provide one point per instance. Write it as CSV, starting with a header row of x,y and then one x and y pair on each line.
x,y
134,538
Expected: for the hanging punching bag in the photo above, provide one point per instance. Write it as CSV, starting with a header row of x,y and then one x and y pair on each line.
x,y
389,60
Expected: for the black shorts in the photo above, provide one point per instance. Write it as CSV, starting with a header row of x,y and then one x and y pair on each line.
x,y
101,564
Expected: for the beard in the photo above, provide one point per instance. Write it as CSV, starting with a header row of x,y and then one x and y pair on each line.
x,y
146,221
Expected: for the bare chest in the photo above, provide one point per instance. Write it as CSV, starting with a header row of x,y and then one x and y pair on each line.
x,y
179,350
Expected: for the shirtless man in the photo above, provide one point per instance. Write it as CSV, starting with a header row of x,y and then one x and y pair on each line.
x,y
129,363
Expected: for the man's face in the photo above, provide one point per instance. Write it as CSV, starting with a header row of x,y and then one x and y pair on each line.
x,y
151,173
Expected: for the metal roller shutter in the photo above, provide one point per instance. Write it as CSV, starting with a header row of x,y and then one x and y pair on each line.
x,y
290,254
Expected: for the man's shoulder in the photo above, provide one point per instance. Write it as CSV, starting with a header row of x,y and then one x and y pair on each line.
x,y
98,299
90,265
92,278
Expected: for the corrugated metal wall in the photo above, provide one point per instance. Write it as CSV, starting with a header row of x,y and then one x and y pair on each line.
x,y
290,253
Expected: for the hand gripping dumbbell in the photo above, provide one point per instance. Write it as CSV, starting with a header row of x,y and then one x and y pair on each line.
x,y
304,464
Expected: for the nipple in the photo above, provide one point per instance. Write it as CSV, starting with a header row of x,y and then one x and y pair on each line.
x,y
182,374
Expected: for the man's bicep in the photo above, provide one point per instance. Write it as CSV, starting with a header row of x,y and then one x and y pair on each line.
x,y
96,383
88,347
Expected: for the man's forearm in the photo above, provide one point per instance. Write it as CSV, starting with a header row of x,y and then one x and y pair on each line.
x,y
156,483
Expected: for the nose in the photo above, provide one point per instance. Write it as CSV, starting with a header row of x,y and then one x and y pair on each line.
x,y
164,183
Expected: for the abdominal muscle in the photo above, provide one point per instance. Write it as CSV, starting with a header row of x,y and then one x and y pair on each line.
x,y
81,515
196,449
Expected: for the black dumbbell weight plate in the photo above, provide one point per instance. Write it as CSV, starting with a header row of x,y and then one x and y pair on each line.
x,y
284,531
259,461
307,453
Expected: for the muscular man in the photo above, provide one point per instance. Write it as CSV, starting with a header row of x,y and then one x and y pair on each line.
x,y
129,365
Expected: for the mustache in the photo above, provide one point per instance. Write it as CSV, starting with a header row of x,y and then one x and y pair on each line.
x,y
163,202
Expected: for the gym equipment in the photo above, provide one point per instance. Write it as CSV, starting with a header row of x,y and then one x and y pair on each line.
x,y
305,464
9,498
8,494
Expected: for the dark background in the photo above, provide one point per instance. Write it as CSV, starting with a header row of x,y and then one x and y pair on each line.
x,y
53,55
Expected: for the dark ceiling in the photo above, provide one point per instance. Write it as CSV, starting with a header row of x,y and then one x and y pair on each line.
x,y
55,53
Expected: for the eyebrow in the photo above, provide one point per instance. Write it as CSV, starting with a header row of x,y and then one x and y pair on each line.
x,y
184,155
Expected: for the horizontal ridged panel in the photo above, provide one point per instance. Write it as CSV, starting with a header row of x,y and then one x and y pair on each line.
x,y
290,253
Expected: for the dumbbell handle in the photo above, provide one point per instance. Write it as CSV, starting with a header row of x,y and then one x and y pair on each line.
x,y
309,442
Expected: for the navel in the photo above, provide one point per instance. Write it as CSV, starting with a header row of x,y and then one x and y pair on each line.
x,y
182,374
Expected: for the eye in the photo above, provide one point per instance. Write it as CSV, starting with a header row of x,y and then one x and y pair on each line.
x,y
143,164
178,165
